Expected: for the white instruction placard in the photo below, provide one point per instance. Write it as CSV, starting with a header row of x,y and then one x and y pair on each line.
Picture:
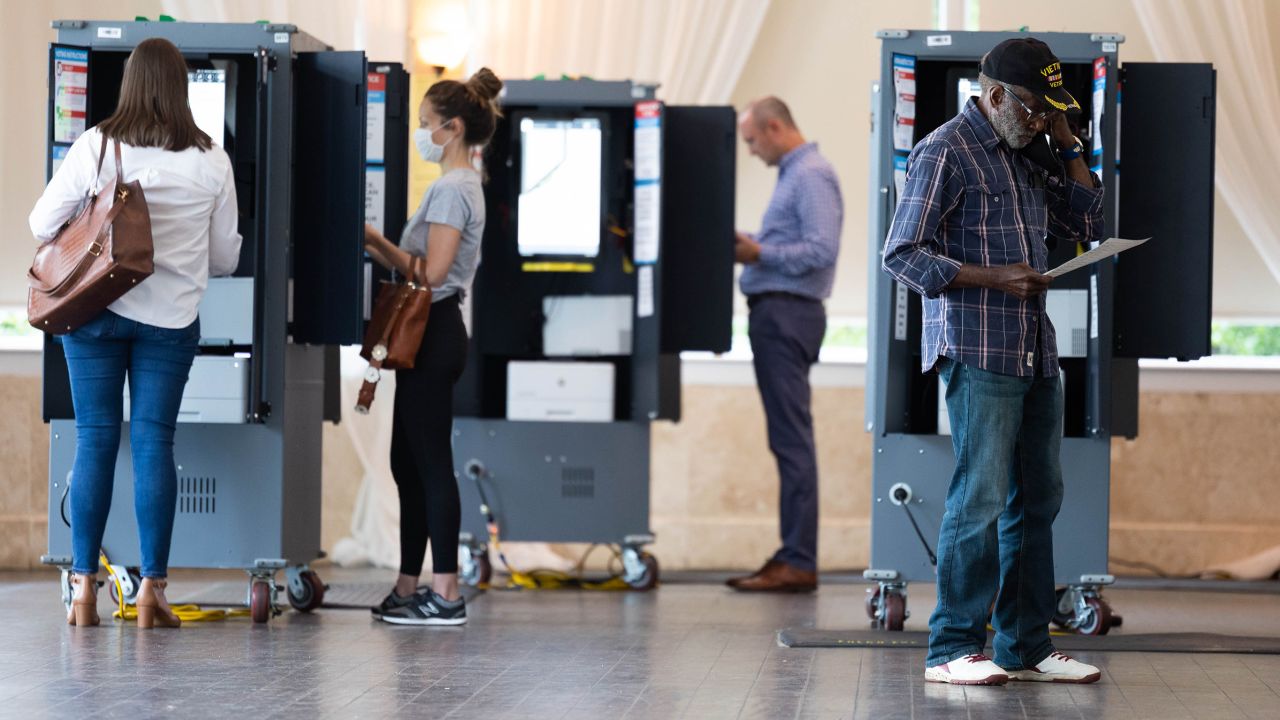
x,y
375,196
904,106
644,291
70,93
375,128
648,183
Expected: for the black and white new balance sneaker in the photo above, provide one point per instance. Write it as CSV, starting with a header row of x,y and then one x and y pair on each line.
x,y
421,608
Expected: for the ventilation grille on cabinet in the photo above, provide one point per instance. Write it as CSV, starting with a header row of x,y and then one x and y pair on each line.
x,y
578,483
198,495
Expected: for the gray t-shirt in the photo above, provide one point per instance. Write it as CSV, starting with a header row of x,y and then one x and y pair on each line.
x,y
456,200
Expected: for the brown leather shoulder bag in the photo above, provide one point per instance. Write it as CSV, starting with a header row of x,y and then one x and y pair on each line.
x,y
396,328
97,256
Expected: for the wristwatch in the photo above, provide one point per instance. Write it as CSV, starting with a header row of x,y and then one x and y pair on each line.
x,y
1074,151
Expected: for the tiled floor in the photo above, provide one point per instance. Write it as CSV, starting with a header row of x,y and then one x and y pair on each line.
x,y
691,650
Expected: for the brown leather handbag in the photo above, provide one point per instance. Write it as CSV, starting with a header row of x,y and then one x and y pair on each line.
x,y
395,330
97,256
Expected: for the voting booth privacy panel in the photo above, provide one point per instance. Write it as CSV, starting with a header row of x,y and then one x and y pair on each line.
x,y
607,251
298,121
1148,133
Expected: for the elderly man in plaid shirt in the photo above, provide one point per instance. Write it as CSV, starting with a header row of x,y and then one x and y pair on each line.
x,y
969,235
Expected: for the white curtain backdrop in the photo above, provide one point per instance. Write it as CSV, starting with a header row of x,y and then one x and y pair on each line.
x,y
378,27
1234,36
695,49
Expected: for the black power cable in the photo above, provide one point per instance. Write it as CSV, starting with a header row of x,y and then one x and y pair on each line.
x,y
901,495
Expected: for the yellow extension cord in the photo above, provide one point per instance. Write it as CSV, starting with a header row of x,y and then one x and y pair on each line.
x,y
186,613
555,579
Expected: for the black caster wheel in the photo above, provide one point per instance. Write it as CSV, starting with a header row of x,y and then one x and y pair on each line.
x,y
260,601
312,596
1062,618
1097,618
895,612
648,579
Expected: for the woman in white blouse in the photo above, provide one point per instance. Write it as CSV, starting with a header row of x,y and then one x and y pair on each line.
x,y
150,334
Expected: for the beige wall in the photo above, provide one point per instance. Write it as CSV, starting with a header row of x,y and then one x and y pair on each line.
x,y
24,70
1195,489
821,57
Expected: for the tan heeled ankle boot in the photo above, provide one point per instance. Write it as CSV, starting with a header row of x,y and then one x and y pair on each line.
x,y
153,607
84,601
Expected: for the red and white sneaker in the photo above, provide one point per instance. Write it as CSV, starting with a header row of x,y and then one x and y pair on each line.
x,y
1059,668
976,669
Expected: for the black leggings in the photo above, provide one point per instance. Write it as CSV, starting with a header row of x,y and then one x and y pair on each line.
x,y
422,448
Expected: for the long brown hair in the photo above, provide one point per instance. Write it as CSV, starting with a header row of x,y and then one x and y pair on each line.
x,y
152,110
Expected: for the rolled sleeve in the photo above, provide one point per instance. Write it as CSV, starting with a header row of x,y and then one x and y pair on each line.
x,y
913,254
1075,210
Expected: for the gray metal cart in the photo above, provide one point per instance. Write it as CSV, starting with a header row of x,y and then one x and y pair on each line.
x,y
577,324
1106,317
248,446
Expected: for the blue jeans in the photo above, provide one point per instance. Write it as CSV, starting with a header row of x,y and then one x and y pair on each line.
x,y
157,361
996,539
786,334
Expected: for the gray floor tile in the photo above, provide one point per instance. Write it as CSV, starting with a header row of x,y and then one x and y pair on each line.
x,y
687,650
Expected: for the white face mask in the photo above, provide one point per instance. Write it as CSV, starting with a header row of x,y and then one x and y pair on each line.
x,y
427,147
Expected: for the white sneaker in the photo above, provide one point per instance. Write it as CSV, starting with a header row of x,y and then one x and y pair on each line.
x,y
1059,668
976,669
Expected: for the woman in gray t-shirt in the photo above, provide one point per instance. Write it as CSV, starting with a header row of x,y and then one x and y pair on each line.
x,y
454,118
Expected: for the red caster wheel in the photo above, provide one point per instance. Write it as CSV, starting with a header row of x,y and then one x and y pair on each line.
x,y
312,595
260,601
895,612
1097,619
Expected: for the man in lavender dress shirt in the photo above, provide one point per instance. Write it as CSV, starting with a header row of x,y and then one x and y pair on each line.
x,y
789,268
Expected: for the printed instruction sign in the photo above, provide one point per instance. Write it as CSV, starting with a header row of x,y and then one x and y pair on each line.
x,y
375,139
648,187
1099,98
375,196
70,93
904,106
644,291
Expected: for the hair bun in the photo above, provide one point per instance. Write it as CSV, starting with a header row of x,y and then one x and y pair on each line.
x,y
485,84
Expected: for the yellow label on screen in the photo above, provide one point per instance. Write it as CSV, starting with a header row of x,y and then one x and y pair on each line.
x,y
558,267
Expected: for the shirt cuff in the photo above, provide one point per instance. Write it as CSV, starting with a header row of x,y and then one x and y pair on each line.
x,y
1081,198
768,255
940,274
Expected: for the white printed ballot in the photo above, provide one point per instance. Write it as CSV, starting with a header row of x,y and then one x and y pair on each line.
x,y
1114,246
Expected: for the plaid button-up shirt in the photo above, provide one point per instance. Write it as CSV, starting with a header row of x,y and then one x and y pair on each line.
x,y
970,199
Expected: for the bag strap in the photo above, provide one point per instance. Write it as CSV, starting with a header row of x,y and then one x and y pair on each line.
x,y
102,155
119,165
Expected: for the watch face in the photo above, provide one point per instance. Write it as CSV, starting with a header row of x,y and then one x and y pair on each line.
x,y
379,352
372,374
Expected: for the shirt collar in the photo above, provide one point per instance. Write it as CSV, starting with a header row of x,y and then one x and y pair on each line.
x,y
980,125
790,158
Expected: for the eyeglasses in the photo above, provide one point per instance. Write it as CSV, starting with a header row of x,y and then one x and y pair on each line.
x,y
1031,116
